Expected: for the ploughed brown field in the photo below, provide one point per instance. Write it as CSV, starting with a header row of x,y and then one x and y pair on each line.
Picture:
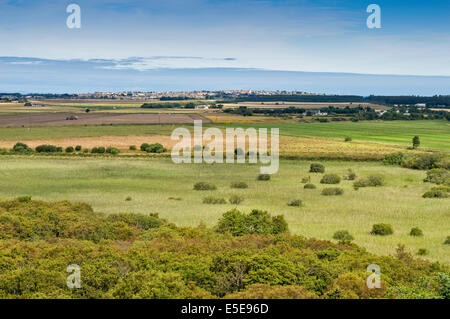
x,y
60,119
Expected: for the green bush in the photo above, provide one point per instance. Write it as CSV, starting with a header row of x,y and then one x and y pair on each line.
x,y
447,241
317,168
422,252
438,176
86,150
46,148
343,235
78,148
263,177
132,147
257,222
236,199
59,149
393,158
330,179
332,191
309,186
436,193
70,149
421,161
112,150
21,148
155,148
214,200
239,185
350,176
370,181
416,232
295,203
204,186
306,180
98,150
382,230
128,199
348,139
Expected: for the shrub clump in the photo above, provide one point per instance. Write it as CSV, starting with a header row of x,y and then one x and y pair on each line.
x,y
382,230
439,176
393,158
332,191
348,139
306,180
421,161
98,150
257,222
437,192
214,200
132,147
416,232
264,177
343,235
78,148
317,168
422,252
239,185
70,149
46,148
309,186
236,199
370,181
112,150
350,176
153,148
204,186
330,179
447,241
295,203
21,148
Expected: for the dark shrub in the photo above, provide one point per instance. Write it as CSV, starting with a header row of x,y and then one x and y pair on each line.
x,y
46,148
132,147
350,176
155,148
98,150
21,148
144,146
393,159
70,149
24,199
214,200
330,179
112,150
257,222
382,229
370,181
447,241
239,185
438,176
317,168
128,199
416,232
78,148
86,150
422,252
306,180
309,186
436,192
343,235
295,203
204,186
348,139
332,191
421,161
59,149
236,199
263,177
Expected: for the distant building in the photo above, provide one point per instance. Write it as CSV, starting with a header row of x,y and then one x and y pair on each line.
x,y
421,105
202,107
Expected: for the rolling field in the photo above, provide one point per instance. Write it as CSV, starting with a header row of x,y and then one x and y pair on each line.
x,y
106,183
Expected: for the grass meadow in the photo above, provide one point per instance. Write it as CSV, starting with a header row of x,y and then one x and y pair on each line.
x,y
106,184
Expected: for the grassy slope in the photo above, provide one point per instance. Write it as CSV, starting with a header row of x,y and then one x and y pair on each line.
x,y
105,183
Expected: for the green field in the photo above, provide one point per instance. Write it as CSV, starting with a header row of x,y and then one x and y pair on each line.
x,y
106,183
433,134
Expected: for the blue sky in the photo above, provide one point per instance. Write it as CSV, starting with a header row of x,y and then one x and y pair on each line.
x,y
122,41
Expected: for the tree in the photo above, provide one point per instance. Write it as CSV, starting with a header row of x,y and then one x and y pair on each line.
x,y
416,141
